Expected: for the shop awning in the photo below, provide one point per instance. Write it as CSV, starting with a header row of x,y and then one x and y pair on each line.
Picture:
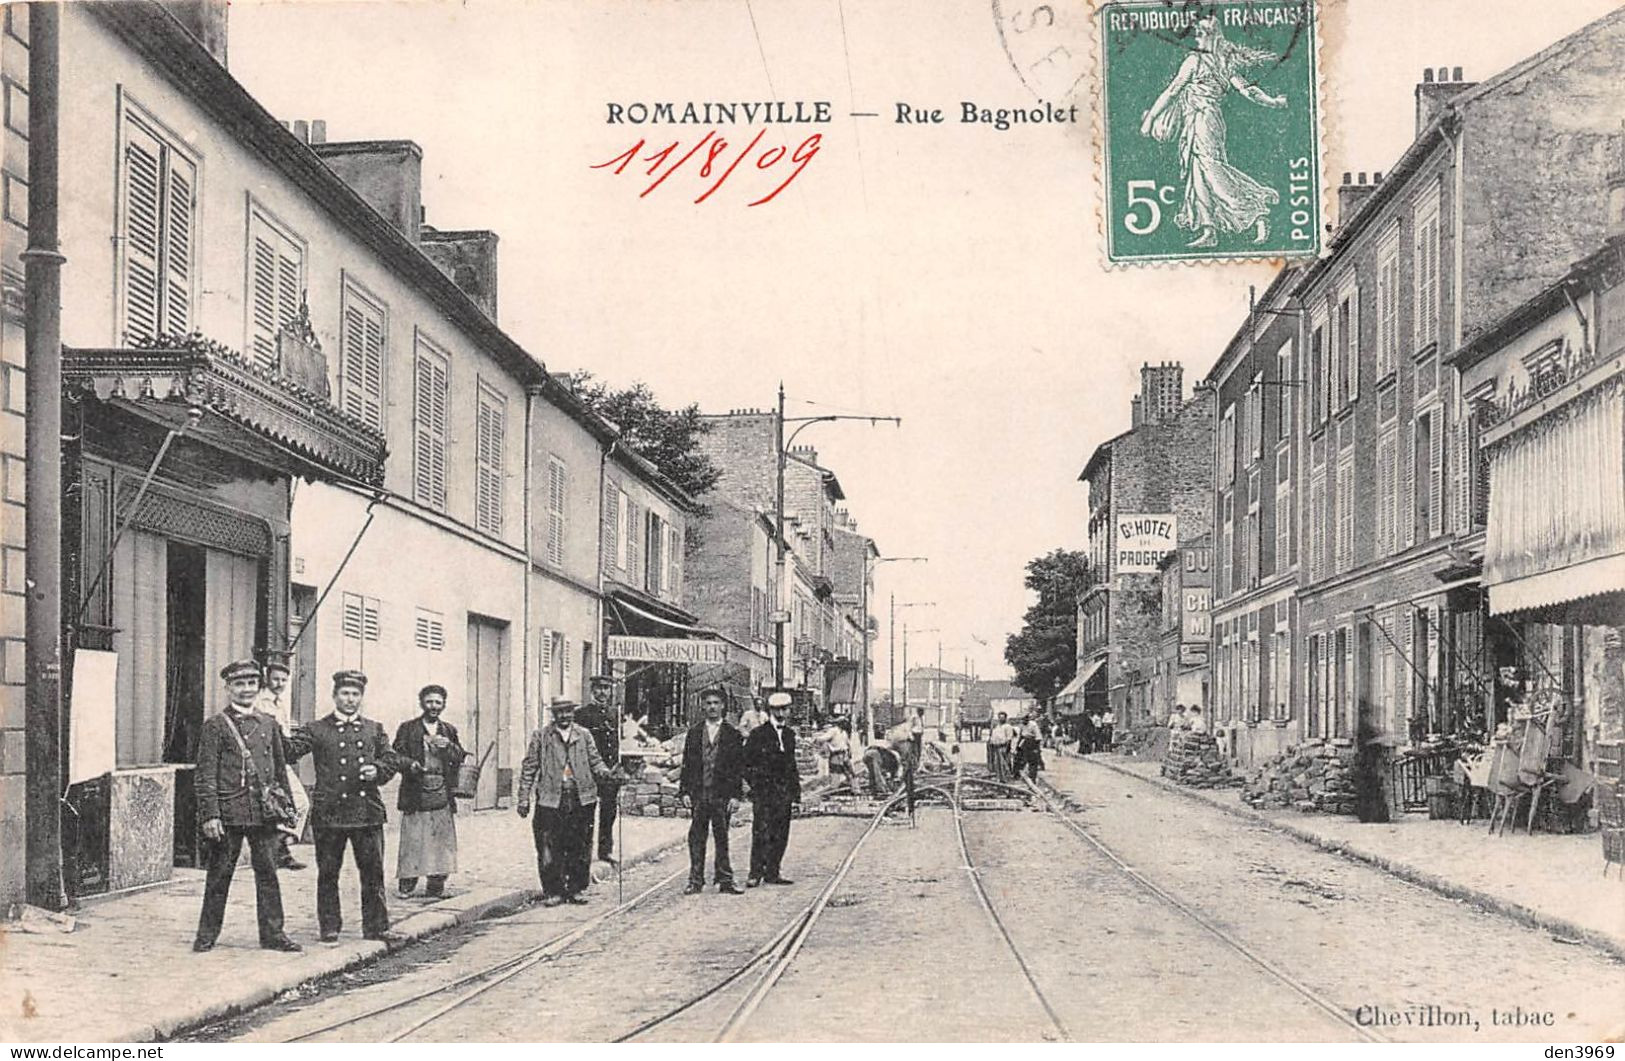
x,y
1592,578
1556,526
1069,694
246,409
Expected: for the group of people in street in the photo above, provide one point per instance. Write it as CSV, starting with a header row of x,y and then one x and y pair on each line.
x,y
719,762
1186,719
1014,749
1095,732
248,793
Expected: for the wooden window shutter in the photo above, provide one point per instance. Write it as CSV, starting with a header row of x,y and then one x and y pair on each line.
x,y
178,245
1405,510
634,542
429,442
1354,344
1461,471
1435,525
612,524
1385,494
361,360
546,653
143,209
556,489
276,286
489,440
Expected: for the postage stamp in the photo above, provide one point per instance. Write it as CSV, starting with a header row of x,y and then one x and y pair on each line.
x,y
1209,130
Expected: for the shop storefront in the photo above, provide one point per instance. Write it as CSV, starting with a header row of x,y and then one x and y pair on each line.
x,y
177,486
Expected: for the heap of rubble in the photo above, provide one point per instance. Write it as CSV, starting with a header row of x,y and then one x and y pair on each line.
x,y
1314,776
1194,759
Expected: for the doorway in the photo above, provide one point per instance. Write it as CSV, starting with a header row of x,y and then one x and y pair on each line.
x,y
185,682
487,711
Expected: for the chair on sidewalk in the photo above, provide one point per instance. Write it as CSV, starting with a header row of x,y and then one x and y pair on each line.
x,y
1505,787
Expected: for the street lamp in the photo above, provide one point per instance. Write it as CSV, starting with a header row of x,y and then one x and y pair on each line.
x,y
781,457
863,610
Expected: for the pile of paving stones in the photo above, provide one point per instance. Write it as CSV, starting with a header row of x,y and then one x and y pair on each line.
x,y
1194,759
653,795
1314,776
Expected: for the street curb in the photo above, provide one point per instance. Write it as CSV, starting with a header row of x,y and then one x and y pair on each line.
x,y
429,921
1403,870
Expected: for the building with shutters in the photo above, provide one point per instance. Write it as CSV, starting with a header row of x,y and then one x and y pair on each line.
x,y
1161,467
295,429
1500,191
1254,574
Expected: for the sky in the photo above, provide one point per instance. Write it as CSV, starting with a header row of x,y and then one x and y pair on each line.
x,y
949,274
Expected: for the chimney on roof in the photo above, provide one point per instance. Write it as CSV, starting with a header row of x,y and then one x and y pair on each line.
x,y
1352,192
388,174
1135,415
203,19
1434,91
1162,388
469,258
1616,188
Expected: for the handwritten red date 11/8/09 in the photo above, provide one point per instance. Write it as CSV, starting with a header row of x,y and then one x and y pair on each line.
x,y
713,156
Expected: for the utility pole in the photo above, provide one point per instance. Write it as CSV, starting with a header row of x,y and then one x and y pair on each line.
x,y
868,568
781,456
891,655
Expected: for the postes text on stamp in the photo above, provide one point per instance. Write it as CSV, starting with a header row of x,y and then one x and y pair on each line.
x,y
1209,130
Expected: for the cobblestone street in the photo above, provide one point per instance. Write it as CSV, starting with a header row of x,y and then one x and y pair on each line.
x,y
1281,941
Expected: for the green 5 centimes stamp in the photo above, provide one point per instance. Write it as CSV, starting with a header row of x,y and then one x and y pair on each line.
x,y
1208,116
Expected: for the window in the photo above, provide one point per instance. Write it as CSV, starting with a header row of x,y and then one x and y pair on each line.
x,y
276,284
429,411
1388,303
17,109
1345,510
558,486
655,550
16,200
1425,263
360,624
1283,524
1283,374
613,551
1312,681
361,356
1427,456
157,200
1281,679
1387,478
1227,445
1254,544
674,562
490,440
1319,374
1226,544
1346,355
1404,489
429,630
1255,418
1317,524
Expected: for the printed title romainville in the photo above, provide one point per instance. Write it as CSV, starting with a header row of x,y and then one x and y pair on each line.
x,y
784,112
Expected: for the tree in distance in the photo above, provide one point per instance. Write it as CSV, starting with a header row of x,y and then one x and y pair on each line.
x,y
1044,653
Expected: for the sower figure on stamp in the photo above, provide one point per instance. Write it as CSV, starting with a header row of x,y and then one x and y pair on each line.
x,y
562,768
273,700
430,754
597,717
1217,195
240,756
353,757
775,790
713,761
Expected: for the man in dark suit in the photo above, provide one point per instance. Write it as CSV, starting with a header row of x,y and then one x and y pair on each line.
x,y
775,790
353,757
713,759
598,718
239,754
430,756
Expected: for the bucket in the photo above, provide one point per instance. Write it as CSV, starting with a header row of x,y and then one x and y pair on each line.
x,y
468,777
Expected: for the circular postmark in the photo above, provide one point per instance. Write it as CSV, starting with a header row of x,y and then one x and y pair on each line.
x,y
1047,44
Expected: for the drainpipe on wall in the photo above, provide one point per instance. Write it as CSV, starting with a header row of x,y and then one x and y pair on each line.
x,y
42,528
527,693
603,631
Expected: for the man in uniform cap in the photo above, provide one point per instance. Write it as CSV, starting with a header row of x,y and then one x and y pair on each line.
x,y
353,757
562,767
240,754
598,718
273,700
431,755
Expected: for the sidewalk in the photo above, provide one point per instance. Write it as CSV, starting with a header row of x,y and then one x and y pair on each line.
x,y
127,972
1552,882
